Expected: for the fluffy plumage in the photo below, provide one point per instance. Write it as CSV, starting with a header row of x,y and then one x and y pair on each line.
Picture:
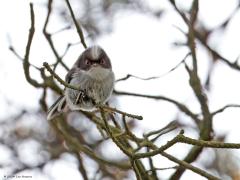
x,y
93,73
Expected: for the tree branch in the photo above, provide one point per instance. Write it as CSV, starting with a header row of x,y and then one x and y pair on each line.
x,y
79,29
26,64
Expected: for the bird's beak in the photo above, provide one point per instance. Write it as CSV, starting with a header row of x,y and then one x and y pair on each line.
x,y
95,65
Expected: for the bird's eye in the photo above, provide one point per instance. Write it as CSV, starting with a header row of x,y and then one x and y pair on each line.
x,y
87,62
102,61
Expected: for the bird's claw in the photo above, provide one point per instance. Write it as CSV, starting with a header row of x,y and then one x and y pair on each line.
x,y
81,96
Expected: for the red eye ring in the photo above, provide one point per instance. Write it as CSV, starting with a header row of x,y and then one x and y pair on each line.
x,y
102,61
87,62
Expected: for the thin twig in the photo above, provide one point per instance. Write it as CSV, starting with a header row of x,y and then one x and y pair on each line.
x,y
190,167
121,112
154,77
12,49
195,83
74,142
26,64
153,170
180,138
49,37
79,29
68,47
46,65
126,149
61,30
161,169
172,124
181,106
111,134
81,166
224,108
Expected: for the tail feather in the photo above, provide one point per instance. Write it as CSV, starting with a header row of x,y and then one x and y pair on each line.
x,y
57,108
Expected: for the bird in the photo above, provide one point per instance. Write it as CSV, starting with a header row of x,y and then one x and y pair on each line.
x,y
92,73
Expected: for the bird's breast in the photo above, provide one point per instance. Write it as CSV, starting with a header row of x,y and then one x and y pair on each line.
x,y
99,73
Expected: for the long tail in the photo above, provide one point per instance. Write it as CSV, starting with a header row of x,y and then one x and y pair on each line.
x,y
57,108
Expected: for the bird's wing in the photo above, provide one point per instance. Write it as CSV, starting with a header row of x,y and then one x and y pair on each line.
x,y
72,73
57,108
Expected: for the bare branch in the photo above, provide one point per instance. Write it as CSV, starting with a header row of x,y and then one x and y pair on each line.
x,y
154,77
74,142
26,64
181,106
121,112
190,167
79,29
180,138
161,169
224,108
49,38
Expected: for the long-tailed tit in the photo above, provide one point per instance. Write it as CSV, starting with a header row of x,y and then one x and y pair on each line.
x,y
93,74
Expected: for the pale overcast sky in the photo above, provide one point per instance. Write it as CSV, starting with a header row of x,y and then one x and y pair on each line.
x,y
139,45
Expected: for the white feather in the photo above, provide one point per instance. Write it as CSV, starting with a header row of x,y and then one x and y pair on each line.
x,y
95,52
